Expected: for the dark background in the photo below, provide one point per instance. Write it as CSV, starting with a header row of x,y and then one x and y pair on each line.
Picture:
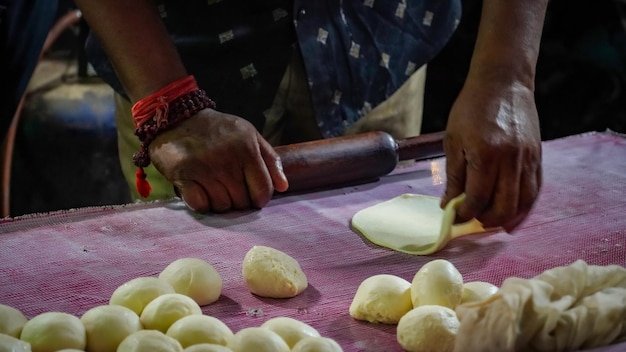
x,y
580,83
581,71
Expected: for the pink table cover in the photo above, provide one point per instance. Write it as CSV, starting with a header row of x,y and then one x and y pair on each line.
x,y
71,261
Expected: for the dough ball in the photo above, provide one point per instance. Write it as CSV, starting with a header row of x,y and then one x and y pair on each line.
x,y
52,331
195,278
149,341
166,309
290,329
257,339
317,344
137,293
13,344
381,299
477,291
437,282
428,328
207,347
11,321
106,326
268,272
195,329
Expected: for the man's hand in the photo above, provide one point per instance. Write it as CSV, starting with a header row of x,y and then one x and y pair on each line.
x,y
493,153
219,162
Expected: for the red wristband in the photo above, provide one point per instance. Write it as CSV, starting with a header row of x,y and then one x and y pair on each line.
x,y
161,111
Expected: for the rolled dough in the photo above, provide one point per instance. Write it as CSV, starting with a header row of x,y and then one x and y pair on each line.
x,y
412,223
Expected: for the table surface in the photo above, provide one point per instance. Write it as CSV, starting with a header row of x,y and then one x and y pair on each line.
x,y
71,261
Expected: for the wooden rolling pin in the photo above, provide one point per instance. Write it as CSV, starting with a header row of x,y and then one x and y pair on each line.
x,y
352,159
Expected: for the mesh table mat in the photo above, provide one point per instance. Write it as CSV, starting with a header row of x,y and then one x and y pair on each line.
x,y
71,261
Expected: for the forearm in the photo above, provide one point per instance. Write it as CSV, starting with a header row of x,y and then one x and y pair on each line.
x,y
508,40
137,43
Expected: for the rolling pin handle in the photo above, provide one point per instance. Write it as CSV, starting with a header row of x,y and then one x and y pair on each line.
x,y
425,146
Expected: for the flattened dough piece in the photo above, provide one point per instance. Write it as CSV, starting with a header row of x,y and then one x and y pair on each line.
x,y
412,223
566,308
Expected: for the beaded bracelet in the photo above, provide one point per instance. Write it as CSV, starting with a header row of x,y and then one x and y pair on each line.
x,y
160,112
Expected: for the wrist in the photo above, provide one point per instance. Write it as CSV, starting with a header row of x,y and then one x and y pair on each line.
x,y
498,75
162,111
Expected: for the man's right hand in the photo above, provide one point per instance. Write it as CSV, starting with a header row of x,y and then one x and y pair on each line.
x,y
219,162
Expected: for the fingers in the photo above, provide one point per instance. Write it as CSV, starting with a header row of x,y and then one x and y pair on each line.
x,y
219,197
530,185
219,162
274,166
479,188
500,193
240,200
257,175
259,185
212,196
237,191
502,206
194,196
455,171
245,185
264,175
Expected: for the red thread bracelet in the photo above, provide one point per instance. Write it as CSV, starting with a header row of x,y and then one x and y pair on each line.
x,y
159,112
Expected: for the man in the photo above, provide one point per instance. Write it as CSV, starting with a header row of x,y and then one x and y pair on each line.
x,y
220,161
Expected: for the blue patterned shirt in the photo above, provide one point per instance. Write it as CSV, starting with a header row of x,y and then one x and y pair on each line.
x,y
356,52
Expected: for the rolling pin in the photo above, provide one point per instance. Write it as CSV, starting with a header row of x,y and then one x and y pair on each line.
x,y
354,159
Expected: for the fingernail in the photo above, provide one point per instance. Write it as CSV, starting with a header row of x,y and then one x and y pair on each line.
x,y
187,204
279,166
